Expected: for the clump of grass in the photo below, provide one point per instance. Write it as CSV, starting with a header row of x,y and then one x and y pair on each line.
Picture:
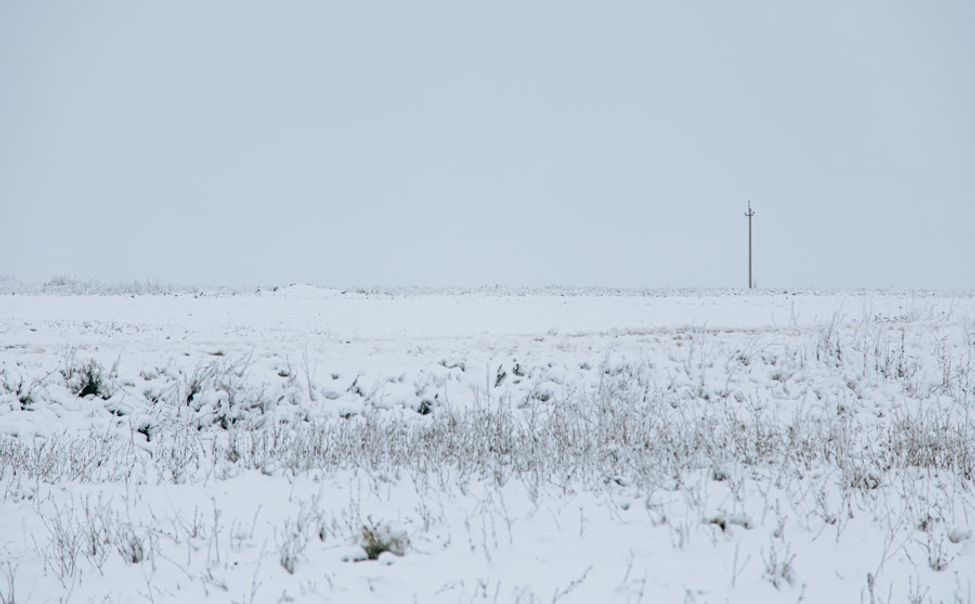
x,y
92,381
131,547
377,539
88,379
19,389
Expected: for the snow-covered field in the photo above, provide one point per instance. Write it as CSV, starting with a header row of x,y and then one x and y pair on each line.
x,y
312,445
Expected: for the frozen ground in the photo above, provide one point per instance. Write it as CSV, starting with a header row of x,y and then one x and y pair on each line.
x,y
502,446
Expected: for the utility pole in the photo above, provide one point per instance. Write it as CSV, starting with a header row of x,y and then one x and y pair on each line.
x,y
750,213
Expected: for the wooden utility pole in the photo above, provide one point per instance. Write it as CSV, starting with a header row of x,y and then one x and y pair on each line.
x,y
750,213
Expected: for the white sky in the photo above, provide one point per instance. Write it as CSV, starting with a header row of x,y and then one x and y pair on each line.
x,y
458,142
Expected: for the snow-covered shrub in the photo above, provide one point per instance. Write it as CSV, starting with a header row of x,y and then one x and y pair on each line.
x,y
87,379
378,538
130,545
19,387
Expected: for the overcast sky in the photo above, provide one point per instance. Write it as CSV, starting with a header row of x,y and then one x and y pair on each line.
x,y
462,142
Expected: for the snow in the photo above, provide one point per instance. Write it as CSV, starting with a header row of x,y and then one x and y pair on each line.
x,y
528,445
